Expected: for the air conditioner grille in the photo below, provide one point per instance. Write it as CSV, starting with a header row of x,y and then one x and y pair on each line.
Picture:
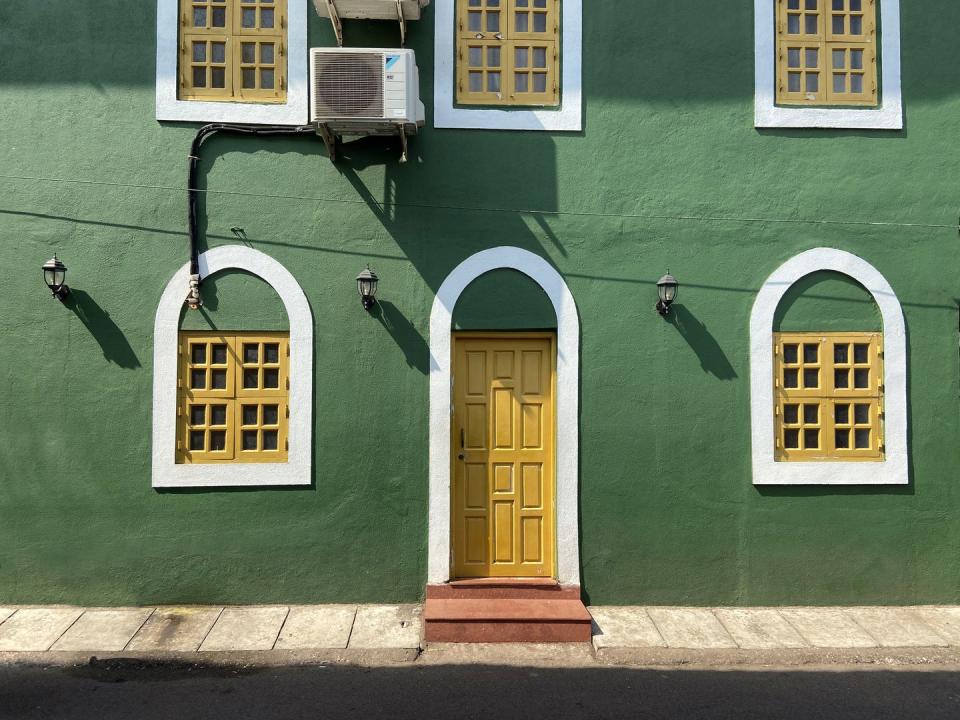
x,y
348,85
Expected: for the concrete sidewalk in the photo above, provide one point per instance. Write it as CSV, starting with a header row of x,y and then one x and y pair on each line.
x,y
389,632
796,634
393,633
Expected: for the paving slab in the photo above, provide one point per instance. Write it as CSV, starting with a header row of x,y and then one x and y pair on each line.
x,y
6,612
896,627
386,626
323,626
245,628
694,628
759,628
103,629
36,629
624,627
828,627
944,620
175,629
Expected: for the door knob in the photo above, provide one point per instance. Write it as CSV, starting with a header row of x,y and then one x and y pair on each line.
x,y
460,456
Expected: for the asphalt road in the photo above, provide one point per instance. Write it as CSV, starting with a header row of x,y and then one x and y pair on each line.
x,y
134,691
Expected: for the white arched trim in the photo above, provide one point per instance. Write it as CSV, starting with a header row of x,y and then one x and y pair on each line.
x,y
893,470
296,471
568,391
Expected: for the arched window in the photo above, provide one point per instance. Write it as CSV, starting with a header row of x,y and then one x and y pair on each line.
x,y
244,382
828,408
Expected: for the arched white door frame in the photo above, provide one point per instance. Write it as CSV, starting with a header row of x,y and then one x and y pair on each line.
x,y
893,470
296,471
568,391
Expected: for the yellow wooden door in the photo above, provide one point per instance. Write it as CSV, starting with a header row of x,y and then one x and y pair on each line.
x,y
503,455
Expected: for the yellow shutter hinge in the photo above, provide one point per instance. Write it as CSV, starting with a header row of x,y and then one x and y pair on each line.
x,y
283,50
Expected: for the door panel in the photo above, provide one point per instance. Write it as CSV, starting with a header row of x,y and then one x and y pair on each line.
x,y
503,475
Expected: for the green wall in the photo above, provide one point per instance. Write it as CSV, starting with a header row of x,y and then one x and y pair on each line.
x,y
827,302
236,300
669,172
504,300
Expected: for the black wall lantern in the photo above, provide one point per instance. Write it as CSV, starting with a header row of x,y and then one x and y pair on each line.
x,y
667,288
367,287
54,274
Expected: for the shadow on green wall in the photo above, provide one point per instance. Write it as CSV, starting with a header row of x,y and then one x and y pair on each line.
x,y
504,299
407,337
424,232
104,330
827,301
712,358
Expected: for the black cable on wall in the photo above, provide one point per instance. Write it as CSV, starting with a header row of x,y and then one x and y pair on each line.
x,y
193,298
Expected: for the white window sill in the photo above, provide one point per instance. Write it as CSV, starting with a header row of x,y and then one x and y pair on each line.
x,y
889,116
294,111
568,118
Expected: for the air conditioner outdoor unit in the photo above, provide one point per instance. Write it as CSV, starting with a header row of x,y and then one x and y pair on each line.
x,y
365,91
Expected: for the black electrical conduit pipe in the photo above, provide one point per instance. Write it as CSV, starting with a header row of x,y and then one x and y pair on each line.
x,y
193,297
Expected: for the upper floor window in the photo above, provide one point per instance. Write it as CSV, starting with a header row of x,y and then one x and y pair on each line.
x,y
233,61
233,50
829,396
508,52
827,64
827,52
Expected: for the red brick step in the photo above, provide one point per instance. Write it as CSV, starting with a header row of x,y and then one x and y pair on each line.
x,y
503,588
506,620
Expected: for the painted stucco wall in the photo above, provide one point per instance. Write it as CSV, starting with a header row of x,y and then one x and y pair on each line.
x,y
669,173
827,302
236,300
504,300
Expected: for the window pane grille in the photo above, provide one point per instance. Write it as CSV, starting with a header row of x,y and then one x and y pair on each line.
x,y
232,397
829,396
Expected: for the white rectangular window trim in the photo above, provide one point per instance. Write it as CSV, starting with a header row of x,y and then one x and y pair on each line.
x,y
889,116
569,117
169,107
